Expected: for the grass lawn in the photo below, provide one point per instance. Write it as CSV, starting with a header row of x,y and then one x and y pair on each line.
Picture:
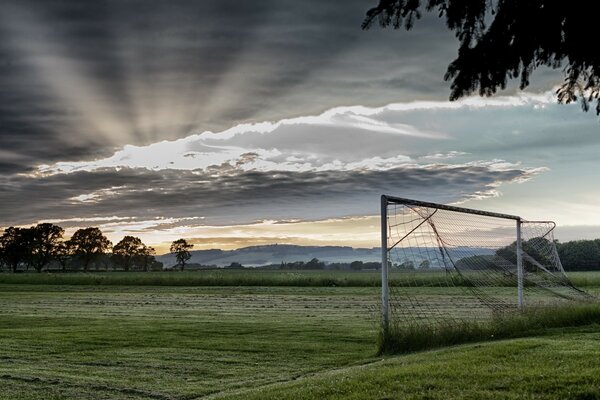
x,y
253,342
257,277
563,364
160,342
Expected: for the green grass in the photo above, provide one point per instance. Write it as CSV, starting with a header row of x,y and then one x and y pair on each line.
x,y
585,279
250,277
175,342
413,337
560,365
126,341
247,277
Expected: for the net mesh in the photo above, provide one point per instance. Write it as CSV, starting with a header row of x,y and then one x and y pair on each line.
x,y
447,266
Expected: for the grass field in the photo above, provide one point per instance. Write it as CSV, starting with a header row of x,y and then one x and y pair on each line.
x,y
250,277
192,342
561,365
164,342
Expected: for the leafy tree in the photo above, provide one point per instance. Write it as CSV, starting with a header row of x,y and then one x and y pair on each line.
x,y
356,265
476,262
580,254
407,265
315,264
14,246
145,258
506,39
129,251
156,265
235,265
533,247
104,261
180,248
372,265
88,244
577,255
425,264
44,242
63,254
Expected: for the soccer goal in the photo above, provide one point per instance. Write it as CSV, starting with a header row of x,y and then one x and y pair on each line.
x,y
443,263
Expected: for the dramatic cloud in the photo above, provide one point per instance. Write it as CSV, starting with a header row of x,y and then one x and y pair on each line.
x,y
238,196
306,168
174,118
79,79
328,141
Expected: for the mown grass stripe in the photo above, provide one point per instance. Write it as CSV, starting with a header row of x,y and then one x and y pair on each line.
x,y
255,278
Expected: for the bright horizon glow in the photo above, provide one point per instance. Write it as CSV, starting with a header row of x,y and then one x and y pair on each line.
x,y
357,232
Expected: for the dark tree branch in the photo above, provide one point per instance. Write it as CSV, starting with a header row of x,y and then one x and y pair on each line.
x,y
501,40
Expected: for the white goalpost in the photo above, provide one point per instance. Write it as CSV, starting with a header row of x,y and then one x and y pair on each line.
x,y
447,264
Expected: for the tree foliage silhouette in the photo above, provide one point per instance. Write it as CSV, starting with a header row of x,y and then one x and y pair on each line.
x,y
145,257
580,255
63,254
181,249
14,247
506,39
126,250
45,243
131,251
532,248
89,244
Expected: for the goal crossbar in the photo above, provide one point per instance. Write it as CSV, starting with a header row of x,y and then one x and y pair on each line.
x,y
418,203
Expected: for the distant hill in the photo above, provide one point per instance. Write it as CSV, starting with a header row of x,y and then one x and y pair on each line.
x,y
277,253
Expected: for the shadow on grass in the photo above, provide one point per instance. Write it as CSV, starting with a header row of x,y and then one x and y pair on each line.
x,y
410,338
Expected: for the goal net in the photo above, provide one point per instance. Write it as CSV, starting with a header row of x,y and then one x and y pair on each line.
x,y
443,264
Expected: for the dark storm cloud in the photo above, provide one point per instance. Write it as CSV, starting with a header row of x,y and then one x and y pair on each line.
x,y
237,197
78,79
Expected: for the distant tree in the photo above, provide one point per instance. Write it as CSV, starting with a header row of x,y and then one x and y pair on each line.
x,y
156,265
44,242
373,265
145,259
293,265
88,245
577,255
130,250
532,247
63,254
356,265
315,264
580,255
407,265
425,264
506,39
14,247
181,249
235,265
104,261
476,262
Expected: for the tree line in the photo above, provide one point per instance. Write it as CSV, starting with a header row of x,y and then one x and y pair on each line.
x,y
576,255
40,246
43,245
580,255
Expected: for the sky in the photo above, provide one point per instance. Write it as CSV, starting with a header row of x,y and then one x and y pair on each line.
x,y
247,123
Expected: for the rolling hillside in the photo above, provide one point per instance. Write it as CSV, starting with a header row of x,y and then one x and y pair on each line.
x,y
277,253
